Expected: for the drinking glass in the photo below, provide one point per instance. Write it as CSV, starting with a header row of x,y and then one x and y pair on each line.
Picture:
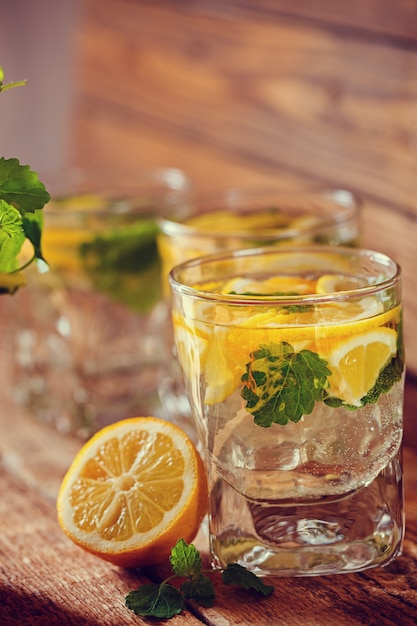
x,y
86,344
206,223
294,367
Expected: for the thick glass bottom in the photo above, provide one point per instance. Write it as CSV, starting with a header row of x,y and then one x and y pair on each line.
x,y
361,530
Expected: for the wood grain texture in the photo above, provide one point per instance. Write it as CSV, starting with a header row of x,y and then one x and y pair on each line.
x,y
237,93
45,579
289,96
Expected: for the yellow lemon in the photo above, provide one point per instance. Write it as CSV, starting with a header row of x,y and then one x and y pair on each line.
x,y
331,283
356,362
132,491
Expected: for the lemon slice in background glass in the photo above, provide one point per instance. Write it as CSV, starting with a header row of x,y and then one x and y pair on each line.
x,y
117,252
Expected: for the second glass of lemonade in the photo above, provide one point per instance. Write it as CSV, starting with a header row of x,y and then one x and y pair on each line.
x,y
246,217
294,366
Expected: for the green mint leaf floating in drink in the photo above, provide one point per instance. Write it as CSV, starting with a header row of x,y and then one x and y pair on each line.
x,y
281,385
235,574
124,263
166,601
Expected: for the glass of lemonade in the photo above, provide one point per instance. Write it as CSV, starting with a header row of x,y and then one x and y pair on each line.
x,y
247,217
294,367
86,334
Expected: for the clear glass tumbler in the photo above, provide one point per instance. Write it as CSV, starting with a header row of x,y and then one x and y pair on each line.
x,y
86,334
236,218
294,368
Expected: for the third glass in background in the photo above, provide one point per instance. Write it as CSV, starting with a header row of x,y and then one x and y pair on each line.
x,y
86,341
238,218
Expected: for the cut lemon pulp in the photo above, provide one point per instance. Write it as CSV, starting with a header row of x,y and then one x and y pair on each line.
x,y
357,361
132,491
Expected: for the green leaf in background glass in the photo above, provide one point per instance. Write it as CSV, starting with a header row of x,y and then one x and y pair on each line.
x,y
124,263
21,187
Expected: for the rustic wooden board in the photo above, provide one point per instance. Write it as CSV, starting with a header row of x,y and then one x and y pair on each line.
x,y
45,579
290,96
237,100
382,18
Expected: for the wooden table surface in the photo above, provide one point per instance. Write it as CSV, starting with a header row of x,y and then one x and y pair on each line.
x,y
45,579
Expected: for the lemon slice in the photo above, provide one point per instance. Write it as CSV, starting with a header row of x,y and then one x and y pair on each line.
x,y
332,283
191,345
273,285
61,246
132,490
326,328
356,362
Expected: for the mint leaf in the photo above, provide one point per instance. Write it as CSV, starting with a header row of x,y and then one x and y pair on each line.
x,y
12,236
32,226
10,219
21,194
235,574
14,229
281,385
199,588
185,559
124,263
21,187
163,601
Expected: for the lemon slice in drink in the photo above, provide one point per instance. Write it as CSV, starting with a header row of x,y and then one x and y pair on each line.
x,y
332,283
270,286
191,345
356,362
330,329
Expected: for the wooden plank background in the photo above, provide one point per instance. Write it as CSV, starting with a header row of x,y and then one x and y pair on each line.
x,y
241,92
248,92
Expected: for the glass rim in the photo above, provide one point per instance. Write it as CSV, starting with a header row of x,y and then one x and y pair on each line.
x,y
67,185
337,195
263,300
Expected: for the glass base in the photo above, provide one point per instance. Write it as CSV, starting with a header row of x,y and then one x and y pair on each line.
x,y
361,530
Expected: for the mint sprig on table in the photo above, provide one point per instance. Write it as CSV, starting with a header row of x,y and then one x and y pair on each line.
x,y
165,601
22,196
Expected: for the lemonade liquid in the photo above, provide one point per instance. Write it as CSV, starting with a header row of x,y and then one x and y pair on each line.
x,y
314,487
255,221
